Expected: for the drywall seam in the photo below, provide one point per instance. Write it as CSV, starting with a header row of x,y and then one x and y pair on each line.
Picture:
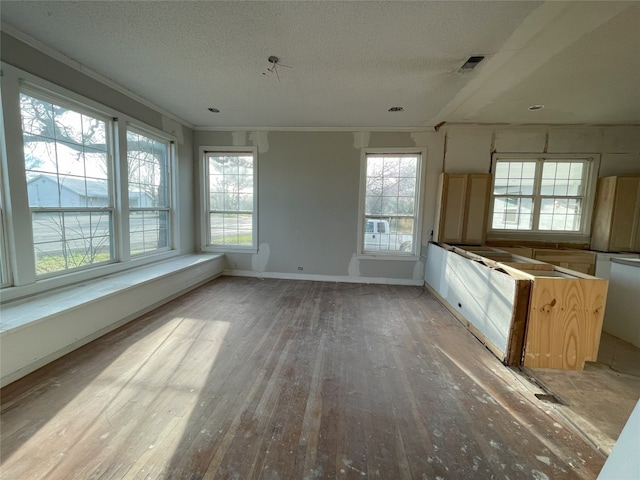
x,y
354,266
420,139
173,127
260,260
239,139
418,271
361,139
261,140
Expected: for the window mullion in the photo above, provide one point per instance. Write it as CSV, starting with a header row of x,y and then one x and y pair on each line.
x,y
121,198
18,217
535,220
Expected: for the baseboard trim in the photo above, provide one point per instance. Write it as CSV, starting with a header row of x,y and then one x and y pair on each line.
x,y
325,278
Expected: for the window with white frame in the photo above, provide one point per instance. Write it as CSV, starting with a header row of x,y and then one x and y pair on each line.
x,y
390,202
548,194
5,279
67,154
231,198
148,162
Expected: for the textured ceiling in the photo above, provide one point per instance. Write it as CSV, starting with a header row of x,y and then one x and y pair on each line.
x,y
352,61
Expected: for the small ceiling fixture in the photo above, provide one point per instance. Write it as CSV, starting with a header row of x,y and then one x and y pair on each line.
x,y
213,110
396,109
274,64
472,62
533,108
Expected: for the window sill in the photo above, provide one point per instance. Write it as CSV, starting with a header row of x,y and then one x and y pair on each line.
x,y
230,250
400,258
22,312
546,237
46,284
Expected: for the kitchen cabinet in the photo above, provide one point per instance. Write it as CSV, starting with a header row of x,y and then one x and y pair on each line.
x,y
525,311
463,208
616,218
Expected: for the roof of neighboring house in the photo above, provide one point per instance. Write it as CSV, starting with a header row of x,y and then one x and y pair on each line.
x,y
85,187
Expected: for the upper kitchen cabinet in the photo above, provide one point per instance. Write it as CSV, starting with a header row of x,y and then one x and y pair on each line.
x,y
463,207
616,219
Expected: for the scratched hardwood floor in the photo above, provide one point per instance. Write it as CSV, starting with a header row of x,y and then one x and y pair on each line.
x,y
273,379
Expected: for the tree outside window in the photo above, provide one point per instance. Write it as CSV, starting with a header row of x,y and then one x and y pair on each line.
x,y
391,203
69,185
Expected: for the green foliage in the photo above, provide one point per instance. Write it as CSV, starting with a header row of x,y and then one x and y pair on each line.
x,y
56,263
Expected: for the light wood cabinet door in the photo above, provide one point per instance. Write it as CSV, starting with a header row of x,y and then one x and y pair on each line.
x,y
464,204
454,192
477,210
616,220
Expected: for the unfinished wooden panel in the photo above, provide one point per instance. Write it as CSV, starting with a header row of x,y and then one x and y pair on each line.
x,y
463,208
577,260
565,320
582,261
563,315
626,215
477,209
522,251
616,220
452,215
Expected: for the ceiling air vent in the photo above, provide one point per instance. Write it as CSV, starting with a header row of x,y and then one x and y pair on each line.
x,y
472,62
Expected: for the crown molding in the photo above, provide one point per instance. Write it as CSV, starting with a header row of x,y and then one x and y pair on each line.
x,y
204,128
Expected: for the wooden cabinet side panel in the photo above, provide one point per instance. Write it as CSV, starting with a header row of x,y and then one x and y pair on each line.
x,y
453,205
475,224
624,214
603,213
565,322
579,261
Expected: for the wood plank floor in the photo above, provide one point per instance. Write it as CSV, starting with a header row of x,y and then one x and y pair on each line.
x,y
599,399
273,379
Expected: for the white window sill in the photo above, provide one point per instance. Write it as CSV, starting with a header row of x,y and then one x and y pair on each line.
x,y
248,250
400,258
22,312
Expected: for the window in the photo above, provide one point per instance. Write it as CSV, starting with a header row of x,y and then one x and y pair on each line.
x,y
149,195
66,155
390,203
91,189
550,194
4,267
230,198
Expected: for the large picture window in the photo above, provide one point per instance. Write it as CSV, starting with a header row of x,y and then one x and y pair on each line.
x,y
549,194
149,195
88,190
230,198
66,154
390,203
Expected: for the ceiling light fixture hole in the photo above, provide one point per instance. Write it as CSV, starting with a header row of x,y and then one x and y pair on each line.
x,y
396,109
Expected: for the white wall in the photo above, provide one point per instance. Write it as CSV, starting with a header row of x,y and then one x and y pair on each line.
x,y
29,345
308,194
308,186
469,148
621,315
